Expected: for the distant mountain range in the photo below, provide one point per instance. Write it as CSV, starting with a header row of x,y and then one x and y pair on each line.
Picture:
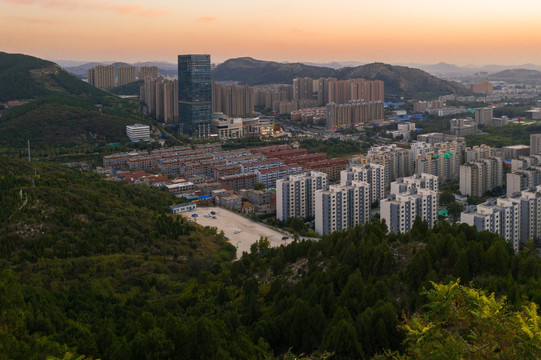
x,y
399,80
79,68
516,75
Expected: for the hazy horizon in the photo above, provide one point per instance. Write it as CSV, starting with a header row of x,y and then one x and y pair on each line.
x,y
391,31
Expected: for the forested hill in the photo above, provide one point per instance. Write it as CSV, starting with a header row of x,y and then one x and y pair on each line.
x,y
399,80
61,110
101,269
257,72
28,77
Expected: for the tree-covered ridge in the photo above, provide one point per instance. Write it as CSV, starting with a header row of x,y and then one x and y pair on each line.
x,y
101,269
17,76
27,77
66,213
132,88
56,122
62,111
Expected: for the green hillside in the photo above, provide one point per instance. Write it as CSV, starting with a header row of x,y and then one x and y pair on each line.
x,y
101,268
27,77
257,72
60,123
62,111
132,88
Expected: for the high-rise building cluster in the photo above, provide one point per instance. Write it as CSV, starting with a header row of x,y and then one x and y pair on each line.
x,y
126,74
353,113
342,207
334,207
411,197
517,217
145,71
479,176
443,160
303,88
160,96
398,162
373,174
481,172
233,100
343,91
295,194
500,216
307,92
103,76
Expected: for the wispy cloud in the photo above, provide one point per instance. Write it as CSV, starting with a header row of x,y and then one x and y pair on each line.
x,y
206,19
111,6
32,20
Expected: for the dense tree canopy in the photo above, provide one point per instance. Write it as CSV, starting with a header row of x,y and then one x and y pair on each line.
x,y
100,268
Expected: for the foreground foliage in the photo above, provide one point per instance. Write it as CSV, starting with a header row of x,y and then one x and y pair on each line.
x,y
461,322
100,268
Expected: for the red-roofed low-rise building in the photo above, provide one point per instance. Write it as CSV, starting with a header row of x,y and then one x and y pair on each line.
x,y
239,181
331,167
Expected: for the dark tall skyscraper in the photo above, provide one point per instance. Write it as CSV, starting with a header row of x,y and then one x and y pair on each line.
x,y
194,94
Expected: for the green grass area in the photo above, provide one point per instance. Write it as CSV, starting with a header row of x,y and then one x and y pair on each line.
x,y
512,134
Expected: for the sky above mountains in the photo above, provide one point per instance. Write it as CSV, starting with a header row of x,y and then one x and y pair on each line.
x,y
392,31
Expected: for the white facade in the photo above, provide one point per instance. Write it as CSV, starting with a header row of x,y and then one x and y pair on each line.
x,y
342,207
444,161
398,162
478,152
412,183
478,177
420,148
411,197
138,132
180,208
499,216
373,174
295,194
522,180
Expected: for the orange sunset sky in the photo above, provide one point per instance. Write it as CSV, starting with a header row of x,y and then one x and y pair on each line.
x,y
393,31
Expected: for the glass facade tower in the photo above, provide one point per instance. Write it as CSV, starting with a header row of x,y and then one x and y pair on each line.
x,y
194,94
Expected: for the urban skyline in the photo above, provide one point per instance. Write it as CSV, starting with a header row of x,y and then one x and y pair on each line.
x,y
484,32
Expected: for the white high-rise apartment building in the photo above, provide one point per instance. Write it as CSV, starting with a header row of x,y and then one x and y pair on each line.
x,y
398,162
478,152
499,216
535,143
342,207
295,194
478,177
414,182
411,197
420,148
373,174
530,214
444,160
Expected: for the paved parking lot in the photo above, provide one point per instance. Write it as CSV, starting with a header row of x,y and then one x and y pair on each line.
x,y
229,222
